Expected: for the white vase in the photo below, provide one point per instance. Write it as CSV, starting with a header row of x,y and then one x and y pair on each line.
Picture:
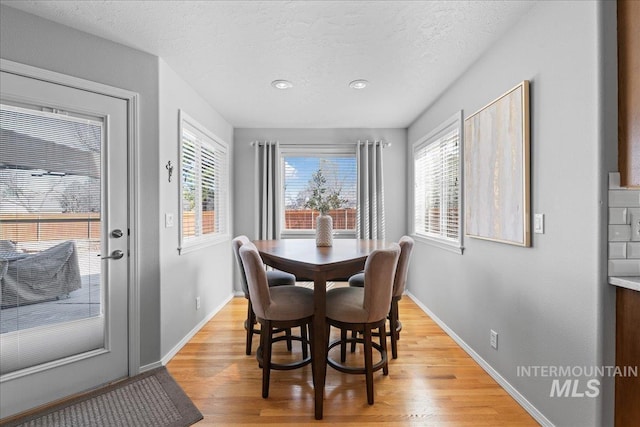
x,y
324,230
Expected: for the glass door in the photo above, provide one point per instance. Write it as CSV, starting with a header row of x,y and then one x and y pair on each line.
x,y
63,241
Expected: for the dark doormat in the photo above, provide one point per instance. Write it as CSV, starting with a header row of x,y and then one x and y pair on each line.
x,y
151,399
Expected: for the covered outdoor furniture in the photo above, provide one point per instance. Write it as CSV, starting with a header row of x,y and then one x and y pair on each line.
x,y
28,278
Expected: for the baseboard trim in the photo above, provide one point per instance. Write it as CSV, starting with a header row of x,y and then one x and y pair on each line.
x,y
513,392
150,366
171,353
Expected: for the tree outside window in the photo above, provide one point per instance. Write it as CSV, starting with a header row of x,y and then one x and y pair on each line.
x,y
333,177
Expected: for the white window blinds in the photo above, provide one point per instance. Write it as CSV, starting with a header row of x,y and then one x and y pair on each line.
x,y
50,222
437,184
204,185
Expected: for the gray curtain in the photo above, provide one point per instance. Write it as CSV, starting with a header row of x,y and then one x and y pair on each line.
x,y
267,188
370,222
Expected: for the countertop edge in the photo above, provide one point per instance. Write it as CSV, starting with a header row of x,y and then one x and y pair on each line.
x,y
630,282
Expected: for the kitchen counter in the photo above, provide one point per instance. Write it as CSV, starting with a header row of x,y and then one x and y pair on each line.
x,y
631,282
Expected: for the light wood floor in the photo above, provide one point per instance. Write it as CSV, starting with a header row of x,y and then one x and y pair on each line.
x,y
433,382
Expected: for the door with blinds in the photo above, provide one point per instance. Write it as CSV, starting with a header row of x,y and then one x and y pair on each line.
x,y
63,241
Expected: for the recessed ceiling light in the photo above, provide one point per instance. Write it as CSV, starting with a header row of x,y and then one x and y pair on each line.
x,y
358,84
282,84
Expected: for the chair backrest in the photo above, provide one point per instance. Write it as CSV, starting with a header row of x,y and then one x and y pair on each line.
x,y
256,279
379,272
237,244
400,281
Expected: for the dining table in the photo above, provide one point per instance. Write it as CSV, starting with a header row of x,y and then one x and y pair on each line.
x,y
307,261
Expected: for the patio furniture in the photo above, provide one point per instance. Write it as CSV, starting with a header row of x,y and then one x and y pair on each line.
x,y
28,278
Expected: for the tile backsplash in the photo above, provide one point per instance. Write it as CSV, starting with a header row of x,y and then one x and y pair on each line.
x,y
624,229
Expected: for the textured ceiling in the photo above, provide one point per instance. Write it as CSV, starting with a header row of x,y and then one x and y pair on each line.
x,y
230,51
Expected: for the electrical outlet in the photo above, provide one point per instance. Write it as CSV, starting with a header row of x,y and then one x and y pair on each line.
x,y
197,303
494,339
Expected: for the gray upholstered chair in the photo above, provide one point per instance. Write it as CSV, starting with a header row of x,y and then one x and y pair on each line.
x,y
399,284
274,278
362,310
282,307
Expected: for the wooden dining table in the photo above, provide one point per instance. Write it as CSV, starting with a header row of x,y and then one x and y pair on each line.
x,y
305,260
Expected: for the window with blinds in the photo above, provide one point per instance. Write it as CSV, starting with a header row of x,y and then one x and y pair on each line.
x,y
50,235
436,168
204,188
309,169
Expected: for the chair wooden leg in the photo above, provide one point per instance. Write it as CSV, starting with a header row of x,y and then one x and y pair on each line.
x,y
305,340
288,334
354,335
310,334
343,345
383,343
259,351
393,325
326,346
368,363
309,327
266,336
249,327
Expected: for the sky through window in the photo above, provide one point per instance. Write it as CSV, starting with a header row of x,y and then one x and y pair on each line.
x,y
340,173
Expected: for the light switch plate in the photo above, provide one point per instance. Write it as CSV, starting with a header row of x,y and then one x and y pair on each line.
x,y
168,220
538,223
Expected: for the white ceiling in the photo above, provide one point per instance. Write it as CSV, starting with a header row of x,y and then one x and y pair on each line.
x,y
230,51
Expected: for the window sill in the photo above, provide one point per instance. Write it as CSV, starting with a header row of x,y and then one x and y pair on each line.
x,y
201,244
310,234
456,248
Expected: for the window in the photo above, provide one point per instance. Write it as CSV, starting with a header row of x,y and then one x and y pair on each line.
x,y
436,171
304,168
204,185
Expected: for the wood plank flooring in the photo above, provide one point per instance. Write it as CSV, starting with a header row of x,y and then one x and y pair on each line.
x,y
433,382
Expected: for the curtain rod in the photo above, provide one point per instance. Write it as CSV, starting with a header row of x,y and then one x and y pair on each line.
x,y
384,144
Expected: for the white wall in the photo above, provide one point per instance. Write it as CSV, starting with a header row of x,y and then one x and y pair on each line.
x,y
207,272
40,43
394,167
169,283
550,303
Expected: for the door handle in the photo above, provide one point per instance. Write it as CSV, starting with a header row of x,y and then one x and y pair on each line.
x,y
117,233
117,254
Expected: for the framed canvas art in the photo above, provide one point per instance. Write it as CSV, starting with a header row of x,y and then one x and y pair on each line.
x,y
496,169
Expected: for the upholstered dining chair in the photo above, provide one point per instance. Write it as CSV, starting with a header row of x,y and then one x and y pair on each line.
x,y
399,284
274,278
362,310
282,307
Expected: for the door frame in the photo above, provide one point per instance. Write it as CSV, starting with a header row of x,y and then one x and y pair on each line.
x,y
131,98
